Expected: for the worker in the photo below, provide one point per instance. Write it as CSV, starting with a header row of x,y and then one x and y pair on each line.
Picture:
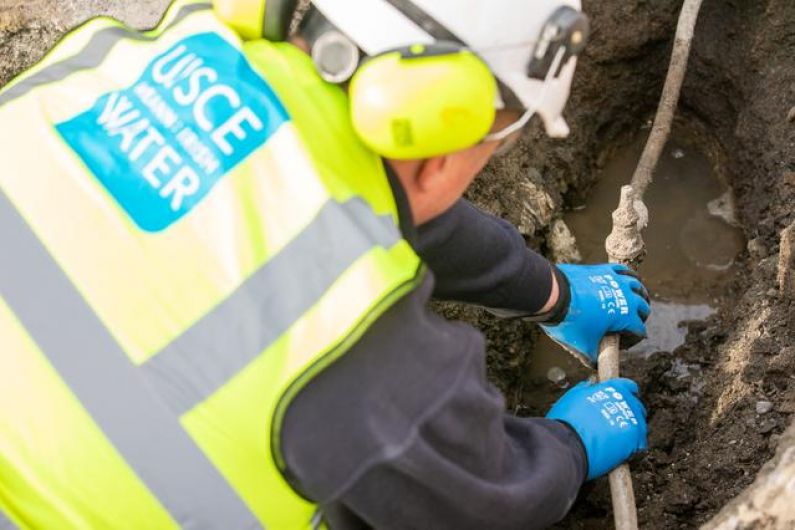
x,y
218,247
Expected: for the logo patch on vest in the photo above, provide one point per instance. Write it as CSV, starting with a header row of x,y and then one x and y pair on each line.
x,y
162,144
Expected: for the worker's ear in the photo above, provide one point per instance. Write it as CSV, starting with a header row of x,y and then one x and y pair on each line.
x,y
431,173
433,185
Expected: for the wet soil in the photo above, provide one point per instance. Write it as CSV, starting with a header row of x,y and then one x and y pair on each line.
x,y
691,248
707,439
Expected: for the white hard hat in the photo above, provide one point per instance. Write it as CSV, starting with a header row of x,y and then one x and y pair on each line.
x,y
531,46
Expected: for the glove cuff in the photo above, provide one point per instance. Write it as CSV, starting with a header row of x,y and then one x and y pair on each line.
x,y
558,313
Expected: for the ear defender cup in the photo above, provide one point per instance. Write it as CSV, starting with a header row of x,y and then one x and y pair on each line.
x,y
423,101
257,19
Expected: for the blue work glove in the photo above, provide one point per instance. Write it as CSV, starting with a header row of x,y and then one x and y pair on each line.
x,y
609,419
602,299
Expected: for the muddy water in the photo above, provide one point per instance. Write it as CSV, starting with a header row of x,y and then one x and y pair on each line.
x,y
691,244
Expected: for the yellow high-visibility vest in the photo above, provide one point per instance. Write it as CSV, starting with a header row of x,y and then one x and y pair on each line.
x,y
189,232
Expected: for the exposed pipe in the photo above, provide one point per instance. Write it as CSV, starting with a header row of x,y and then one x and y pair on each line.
x,y
625,244
670,97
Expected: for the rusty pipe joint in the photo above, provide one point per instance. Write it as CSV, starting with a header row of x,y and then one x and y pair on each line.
x,y
625,243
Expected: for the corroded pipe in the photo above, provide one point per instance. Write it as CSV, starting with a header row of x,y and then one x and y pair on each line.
x,y
625,245
670,97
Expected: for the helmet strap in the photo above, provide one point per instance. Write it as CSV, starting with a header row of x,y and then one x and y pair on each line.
x,y
533,108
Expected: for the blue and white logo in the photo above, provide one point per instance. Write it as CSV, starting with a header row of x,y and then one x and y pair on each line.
x,y
161,145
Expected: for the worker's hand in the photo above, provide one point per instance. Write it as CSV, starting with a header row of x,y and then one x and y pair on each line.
x,y
609,419
603,299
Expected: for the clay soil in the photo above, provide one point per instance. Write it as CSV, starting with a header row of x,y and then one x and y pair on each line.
x,y
707,440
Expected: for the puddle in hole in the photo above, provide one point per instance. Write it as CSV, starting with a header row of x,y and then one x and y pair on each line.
x,y
690,240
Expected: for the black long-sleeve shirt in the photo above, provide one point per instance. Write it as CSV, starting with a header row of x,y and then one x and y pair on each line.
x,y
405,431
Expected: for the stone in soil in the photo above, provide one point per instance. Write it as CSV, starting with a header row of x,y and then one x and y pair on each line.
x,y
763,407
786,262
562,244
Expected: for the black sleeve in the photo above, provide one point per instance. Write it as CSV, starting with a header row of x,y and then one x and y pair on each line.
x,y
481,259
404,431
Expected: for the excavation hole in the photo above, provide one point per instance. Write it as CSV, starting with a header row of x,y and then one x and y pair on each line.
x,y
692,242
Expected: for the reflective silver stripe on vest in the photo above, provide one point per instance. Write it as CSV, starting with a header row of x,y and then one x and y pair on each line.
x,y
234,333
6,523
91,56
146,433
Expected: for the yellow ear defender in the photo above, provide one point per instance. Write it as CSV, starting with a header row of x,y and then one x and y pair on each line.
x,y
257,19
409,103
413,102
423,101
